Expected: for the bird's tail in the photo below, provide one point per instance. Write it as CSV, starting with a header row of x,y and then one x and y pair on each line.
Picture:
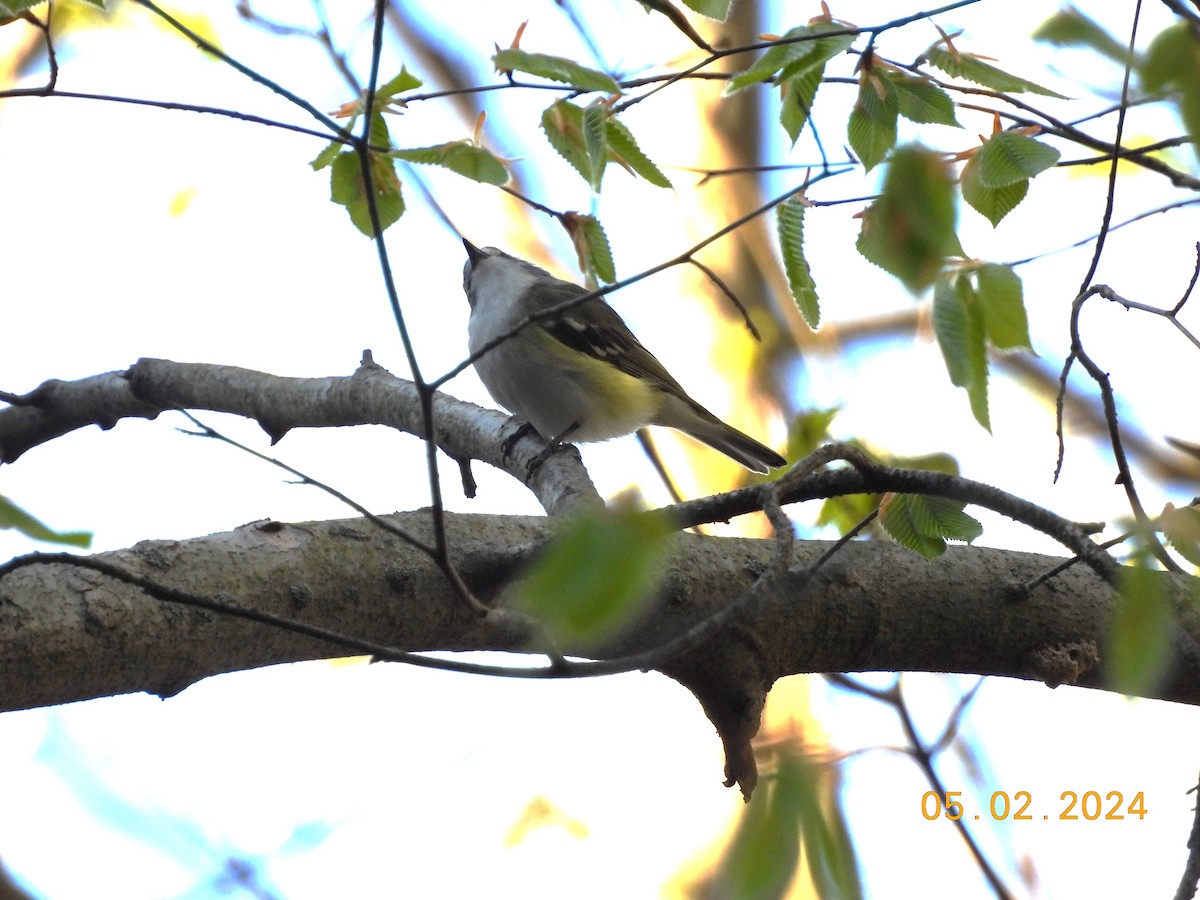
x,y
692,418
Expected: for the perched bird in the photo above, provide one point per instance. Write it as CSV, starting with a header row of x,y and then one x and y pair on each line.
x,y
581,375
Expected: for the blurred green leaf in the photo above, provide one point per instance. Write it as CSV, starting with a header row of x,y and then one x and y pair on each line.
x,y
1172,65
348,188
790,224
1071,28
794,812
909,230
971,68
1181,526
398,85
596,574
562,123
12,516
1002,300
958,324
595,142
555,68
1138,651
712,9
464,157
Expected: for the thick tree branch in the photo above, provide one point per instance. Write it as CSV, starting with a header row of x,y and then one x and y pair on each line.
x,y
71,634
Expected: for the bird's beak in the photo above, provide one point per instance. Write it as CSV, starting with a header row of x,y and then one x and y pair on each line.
x,y
474,254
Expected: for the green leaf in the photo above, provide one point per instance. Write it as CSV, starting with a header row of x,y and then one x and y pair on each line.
x,y
872,126
1181,526
1138,653
555,68
1173,65
348,189
398,85
1008,157
712,9
595,142
592,247
774,59
1071,28
12,516
326,156
923,523
563,124
1003,303
909,230
594,576
799,44
625,152
797,93
464,157
763,855
790,224
993,203
920,100
959,328
971,68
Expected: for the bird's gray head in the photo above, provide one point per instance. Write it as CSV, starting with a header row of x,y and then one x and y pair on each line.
x,y
500,275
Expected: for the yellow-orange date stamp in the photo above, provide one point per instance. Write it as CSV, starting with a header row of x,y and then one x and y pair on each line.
x,y
1090,806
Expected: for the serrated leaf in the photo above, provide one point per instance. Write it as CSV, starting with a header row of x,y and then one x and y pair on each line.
x,y
991,203
959,329
405,81
625,152
790,224
1181,527
797,45
1138,653
595,142
562,123
895,515
920,100
1003,303
712,9
797,93
943,517
591,246
13,516
909,230
348,188
464,157
595,575
1009,157
555,68
872,126
972,68
773,59
1071,28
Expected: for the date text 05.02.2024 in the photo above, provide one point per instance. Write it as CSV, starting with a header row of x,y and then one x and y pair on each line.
x,y
1089,806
